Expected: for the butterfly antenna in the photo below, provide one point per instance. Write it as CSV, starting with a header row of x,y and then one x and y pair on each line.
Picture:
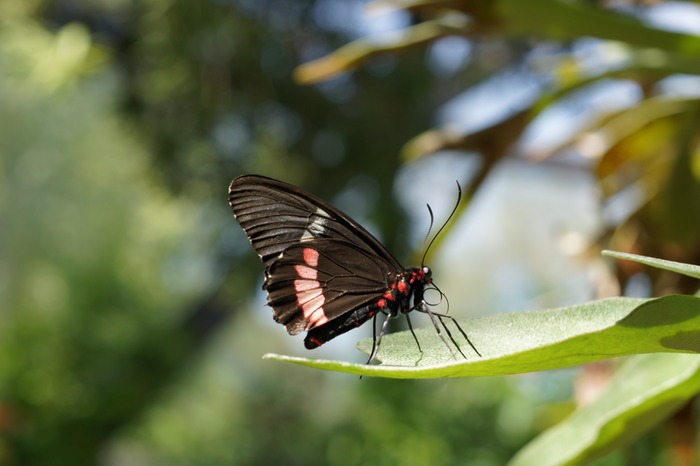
x,y
432,219
454,210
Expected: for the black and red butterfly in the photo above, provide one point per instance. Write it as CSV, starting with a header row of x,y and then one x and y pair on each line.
x,y
324,273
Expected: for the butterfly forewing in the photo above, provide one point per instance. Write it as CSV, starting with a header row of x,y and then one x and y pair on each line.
x,y
276,215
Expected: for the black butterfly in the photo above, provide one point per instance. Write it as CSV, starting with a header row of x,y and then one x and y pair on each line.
x,y
324,273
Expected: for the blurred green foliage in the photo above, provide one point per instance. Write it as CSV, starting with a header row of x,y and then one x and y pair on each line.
x,y
125,335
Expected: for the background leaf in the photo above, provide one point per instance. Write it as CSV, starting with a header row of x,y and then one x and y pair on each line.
x,y
685,269
646,390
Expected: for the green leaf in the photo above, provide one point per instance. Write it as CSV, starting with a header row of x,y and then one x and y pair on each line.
x,y
352,55
645,390
536,340
557,19
678,267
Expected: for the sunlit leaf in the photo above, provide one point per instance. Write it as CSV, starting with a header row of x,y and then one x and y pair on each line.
x,y
568,20
352,55
493,142
637,135
537,340
678,267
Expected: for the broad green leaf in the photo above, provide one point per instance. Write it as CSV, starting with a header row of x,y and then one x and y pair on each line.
x,y
645,390
538,340
678,267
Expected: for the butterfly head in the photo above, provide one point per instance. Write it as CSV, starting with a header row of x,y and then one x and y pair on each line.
x,y
419,276
427,274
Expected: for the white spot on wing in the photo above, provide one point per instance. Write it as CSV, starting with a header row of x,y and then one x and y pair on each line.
x,y
317,227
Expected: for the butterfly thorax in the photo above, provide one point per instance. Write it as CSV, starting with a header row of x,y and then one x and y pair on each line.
x,y
405,291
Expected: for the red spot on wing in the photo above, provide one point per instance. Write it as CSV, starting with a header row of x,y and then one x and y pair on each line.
x,y
309,292
316,318
314,341
309,296
381,303
304,285
306,272
403,287
311,301
311,257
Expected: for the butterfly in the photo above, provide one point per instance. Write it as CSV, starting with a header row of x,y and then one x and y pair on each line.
x,y
324,273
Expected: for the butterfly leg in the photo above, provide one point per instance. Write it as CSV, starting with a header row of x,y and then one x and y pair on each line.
x,y
410,327
459,327
374,339
423,308
377,340
449,334
439,332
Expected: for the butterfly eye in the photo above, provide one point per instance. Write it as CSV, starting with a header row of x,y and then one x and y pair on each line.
x,y
427,271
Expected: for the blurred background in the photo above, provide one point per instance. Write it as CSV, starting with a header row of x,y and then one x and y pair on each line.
x,y
132,322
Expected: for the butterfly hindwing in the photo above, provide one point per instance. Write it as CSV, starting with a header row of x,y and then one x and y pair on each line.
x,y
315,282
